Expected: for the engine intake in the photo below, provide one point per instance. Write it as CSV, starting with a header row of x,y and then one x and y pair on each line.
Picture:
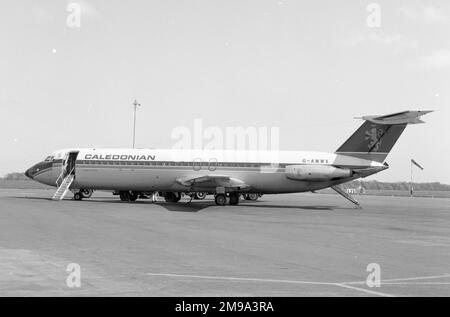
x,y
316,172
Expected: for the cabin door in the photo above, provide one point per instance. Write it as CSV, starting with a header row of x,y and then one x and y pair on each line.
x,y
69,163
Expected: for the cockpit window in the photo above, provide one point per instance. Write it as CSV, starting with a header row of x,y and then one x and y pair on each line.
x,y
48,159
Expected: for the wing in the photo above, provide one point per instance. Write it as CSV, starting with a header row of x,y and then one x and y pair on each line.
x,y
212,182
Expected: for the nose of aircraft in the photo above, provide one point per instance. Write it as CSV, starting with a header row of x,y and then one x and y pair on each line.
x,y
37,168
28,173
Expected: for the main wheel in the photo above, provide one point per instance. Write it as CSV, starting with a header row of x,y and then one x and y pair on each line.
x,y
253,197
124,196
172,197
234,198
200,195
221,199
133,196
177,197
78,196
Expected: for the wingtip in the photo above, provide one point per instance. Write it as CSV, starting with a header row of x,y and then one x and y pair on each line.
x,y
424,112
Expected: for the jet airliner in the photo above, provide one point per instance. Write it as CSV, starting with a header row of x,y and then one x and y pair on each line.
x,y
226,174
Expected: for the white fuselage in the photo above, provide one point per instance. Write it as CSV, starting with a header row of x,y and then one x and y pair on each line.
x,y
149,170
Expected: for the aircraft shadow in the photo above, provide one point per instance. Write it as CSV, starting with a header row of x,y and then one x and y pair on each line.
x,y
177,207
196,206
182,206
31,198
294,207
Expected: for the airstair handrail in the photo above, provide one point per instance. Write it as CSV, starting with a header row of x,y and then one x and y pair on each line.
x,y
63,176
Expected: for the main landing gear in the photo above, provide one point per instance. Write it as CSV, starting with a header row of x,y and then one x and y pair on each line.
x,y
200,195
132,196
128,196
221,199
172,197
252,196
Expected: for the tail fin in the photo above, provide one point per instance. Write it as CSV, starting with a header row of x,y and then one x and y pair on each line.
x,y
377,135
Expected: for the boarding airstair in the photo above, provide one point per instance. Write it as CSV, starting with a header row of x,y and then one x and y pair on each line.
x,y
64,187
338,189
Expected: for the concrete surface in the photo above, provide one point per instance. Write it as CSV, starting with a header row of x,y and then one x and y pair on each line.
x,y
283,245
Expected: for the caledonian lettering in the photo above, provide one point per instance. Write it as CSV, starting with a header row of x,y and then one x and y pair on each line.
x,y
119,157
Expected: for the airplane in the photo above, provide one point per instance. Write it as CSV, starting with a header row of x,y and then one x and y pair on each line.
x,y
227,174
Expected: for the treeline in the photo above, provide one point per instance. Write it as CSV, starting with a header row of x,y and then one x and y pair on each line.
x,y
15,177
376,185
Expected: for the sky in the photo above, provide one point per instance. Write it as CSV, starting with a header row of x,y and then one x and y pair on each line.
x,y
304,68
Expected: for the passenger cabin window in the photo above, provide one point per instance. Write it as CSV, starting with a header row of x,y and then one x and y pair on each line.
x,y
212,164
197,164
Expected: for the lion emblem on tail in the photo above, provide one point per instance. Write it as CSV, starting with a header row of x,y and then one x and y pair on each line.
x,y
373,135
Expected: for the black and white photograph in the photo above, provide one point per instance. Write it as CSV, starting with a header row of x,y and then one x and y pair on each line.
x,y
224,154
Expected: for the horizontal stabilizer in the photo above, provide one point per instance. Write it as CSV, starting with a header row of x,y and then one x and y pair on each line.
x,y
405,117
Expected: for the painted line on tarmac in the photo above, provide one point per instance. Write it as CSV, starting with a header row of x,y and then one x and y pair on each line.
x,y
364,290
416,283
405,279
243,279
416,278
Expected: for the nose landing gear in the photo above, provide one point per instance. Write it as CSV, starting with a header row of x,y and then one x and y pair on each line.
x,y
83,193
86,193
78,196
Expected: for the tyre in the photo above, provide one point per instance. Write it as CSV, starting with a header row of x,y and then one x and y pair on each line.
x,y
253,197
177,197
172,197
234,199
169,197
86,193
78,196
221,199
124,196
133,196
200,195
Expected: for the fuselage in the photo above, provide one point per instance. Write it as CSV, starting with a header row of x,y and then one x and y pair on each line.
x,y
147,170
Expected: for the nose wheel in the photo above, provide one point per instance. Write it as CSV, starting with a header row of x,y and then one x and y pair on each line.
x,y
78,196
83,193
86,193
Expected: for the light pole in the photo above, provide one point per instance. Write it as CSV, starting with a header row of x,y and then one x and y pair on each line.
x,y
411,189
135,104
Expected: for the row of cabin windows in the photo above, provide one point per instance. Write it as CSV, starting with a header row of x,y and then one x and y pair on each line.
x,y
158,163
